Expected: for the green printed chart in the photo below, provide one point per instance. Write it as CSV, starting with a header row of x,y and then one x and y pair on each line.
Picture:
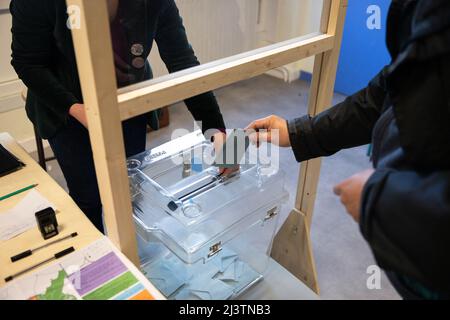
x,y
55,290
94,273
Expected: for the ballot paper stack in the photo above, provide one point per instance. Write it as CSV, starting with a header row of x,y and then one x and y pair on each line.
x,y
203,236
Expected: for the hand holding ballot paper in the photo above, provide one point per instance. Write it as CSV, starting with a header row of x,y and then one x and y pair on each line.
x,y
229,153
272,129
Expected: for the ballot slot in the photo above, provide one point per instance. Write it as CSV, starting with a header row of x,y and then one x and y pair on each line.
x,y
219,235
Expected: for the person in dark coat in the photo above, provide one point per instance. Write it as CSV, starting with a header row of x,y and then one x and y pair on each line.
x,y
44,59
403,203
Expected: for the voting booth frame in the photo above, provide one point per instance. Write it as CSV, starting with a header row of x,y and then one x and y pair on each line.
x,y
107,107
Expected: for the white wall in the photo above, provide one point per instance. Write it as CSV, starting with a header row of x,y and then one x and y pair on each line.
x,y
310,22
12,114
216,29
287,19
222,28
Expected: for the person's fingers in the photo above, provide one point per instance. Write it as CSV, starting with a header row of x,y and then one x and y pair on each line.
x,y
258,137
338,189
228,171
264,136
259,124
253,137
251,126
219,138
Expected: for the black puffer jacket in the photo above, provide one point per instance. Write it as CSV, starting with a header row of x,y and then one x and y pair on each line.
x,y
405,113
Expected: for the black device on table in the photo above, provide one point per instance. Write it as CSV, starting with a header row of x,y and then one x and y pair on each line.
x,y
8,162
47,223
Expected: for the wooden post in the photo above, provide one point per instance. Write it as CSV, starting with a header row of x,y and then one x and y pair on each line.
x,y
98,81
292,245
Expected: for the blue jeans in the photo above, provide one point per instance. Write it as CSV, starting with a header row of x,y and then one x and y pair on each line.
x,y
72,149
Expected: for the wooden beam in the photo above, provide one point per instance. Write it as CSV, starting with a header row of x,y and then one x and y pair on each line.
x,y
150,95
98,81
292,245
321,98
292,248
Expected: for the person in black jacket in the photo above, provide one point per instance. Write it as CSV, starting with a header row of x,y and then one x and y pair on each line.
x,y
44,59
403,204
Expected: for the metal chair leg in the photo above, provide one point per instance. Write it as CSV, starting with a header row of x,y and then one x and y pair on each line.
x,y
40,150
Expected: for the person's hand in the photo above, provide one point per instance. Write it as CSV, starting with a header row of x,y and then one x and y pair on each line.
x,y
272,129
78,112
219,140
350,192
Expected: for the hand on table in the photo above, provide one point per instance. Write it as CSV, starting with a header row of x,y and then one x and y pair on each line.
x,y
272,129
350,192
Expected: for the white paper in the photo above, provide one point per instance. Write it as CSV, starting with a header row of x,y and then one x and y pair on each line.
x,y
42,284
21,218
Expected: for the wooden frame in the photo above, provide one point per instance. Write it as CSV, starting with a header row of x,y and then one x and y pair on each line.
x,y
106,107
292,245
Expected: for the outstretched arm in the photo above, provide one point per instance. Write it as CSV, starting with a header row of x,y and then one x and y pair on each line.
x,y
345,125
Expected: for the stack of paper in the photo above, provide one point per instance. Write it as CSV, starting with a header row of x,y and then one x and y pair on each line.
x,y
21,218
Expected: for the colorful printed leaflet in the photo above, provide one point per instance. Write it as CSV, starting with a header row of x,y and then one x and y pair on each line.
x,y
55,290
107,278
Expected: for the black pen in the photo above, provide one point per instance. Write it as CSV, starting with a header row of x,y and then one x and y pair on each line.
x,y
55,256
30,252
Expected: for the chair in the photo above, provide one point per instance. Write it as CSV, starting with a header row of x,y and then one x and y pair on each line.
x,y
42,160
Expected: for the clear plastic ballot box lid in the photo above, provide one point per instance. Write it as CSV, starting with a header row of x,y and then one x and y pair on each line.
x,y
181,200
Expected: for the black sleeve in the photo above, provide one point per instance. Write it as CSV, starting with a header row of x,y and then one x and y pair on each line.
x,y
346,125
177,54
406,220
33,46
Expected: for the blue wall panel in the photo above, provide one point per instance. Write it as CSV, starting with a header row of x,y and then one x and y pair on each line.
x,y
364,51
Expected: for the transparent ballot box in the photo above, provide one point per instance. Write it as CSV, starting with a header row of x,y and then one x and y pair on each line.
x,y
203,235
